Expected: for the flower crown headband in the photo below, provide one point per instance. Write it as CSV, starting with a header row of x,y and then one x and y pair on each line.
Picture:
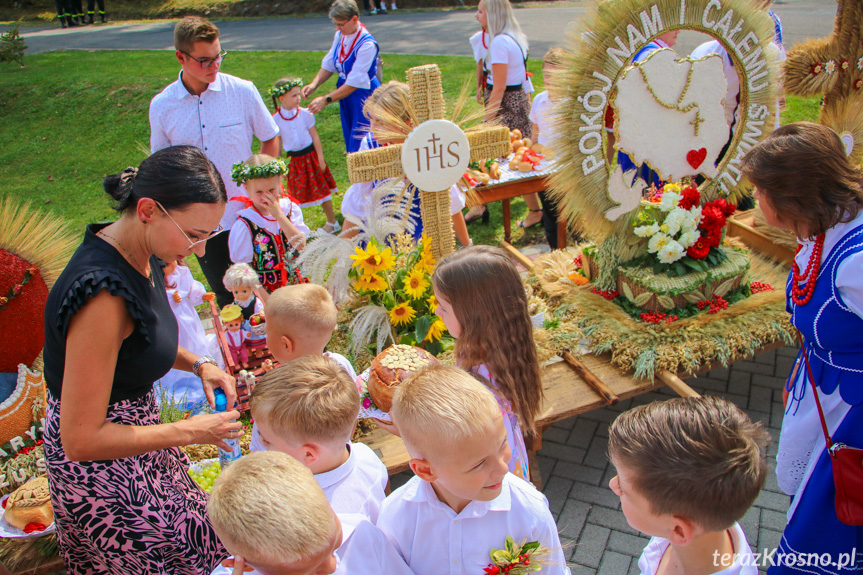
x,y
286,87
243,172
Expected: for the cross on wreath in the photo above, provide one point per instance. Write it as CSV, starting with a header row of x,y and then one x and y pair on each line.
x,y
833,68
422,160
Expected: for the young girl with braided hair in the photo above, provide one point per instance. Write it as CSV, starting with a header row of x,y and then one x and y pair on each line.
x,y
482,302
310,182
270,231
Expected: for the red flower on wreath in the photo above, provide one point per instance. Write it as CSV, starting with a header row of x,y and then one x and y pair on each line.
x,y
712,217
690,197
817,68
699,250
858,83
843,65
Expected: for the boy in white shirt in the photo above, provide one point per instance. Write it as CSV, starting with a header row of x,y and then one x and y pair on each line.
x,y
272,516
543,132
308,408
462,502
687,470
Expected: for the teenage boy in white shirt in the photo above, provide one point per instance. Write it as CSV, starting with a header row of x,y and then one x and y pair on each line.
x,y
219,114
462,501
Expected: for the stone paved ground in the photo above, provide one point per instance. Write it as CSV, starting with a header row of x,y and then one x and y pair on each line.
x,y
576,471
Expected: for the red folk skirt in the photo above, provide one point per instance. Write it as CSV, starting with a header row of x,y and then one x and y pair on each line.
x,y
307,184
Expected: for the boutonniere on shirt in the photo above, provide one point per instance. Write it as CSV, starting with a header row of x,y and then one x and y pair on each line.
x,y
517,558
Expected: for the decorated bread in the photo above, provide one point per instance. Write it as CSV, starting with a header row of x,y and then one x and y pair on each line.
x,y
30,503
391,367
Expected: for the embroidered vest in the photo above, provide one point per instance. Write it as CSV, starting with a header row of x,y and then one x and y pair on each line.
x,y
348,65
833,333
268,258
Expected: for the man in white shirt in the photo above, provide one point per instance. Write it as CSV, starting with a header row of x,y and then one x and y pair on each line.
x,y
219,114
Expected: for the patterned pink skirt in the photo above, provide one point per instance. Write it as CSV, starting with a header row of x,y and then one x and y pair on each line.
x,y
307,185
141,514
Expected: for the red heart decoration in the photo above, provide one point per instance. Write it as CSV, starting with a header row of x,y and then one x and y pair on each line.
x,y
696,157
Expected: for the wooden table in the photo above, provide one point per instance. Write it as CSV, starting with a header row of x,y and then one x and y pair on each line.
x,y
505,192
566,395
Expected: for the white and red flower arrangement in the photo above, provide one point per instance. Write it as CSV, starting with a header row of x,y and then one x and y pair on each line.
x,y
682,234
517,558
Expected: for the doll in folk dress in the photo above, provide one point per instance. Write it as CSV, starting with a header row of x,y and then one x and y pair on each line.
x,y
235,335
310,182
269,232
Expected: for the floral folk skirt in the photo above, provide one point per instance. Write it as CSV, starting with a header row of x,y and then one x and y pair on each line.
x,y
514,110
140,514
307,185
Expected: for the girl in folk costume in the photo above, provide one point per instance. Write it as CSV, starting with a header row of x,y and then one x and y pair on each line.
x,y
391,116
269,232
805,183
482,302
310,182
508,85
353,57
184,293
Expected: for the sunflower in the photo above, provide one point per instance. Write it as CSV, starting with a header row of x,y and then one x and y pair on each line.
x,y
432,302
370,282
416,284
372,260
403,313
437,328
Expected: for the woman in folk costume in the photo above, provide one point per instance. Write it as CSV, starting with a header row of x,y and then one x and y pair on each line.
x,y
353,57
805,183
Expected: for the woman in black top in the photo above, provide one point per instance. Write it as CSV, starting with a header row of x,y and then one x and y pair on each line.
x,y
122,497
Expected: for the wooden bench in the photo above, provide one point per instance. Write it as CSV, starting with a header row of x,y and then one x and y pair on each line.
x,y
566,395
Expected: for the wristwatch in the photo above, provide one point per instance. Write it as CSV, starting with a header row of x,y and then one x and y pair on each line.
x,y
196,367
329,99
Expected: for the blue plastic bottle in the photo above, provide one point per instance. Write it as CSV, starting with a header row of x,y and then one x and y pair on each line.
x,y
226,457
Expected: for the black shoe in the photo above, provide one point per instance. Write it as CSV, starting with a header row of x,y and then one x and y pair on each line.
x,y
382,11
72,22
63,22
104,18
486,215
89,19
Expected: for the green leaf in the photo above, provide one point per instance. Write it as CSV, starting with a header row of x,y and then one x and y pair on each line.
x,y
422,327
501,557
679,268
434,347
691,263
530,546
510,545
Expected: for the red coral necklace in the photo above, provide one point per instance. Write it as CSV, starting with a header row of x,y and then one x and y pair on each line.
x,y
801,295
297,113
344,55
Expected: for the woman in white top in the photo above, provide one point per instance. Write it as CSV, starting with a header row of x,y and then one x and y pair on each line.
x,y
508,85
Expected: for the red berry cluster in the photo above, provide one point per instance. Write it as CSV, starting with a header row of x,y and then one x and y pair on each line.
x,y
29,448
495,570
717,303
577,261
657,317
609,295
758,287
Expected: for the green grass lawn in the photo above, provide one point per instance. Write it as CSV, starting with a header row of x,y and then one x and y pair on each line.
x,y
71,117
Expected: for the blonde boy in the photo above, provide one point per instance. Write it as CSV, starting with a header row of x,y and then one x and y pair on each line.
x,y
540,109
308,408
300,321
272,516
462,501
687,470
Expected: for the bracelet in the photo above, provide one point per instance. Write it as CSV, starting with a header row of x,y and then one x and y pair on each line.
x,y
196,367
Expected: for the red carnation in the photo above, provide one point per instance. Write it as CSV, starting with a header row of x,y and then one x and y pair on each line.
x,y
698,250
713,238
712,218
690,198
723,205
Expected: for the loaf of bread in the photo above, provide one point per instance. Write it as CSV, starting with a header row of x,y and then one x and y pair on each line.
x,y
30,503
391,367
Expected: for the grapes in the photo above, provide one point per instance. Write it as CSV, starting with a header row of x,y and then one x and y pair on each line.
x,y
207,475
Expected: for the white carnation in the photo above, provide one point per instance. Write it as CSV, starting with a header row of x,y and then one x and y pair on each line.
x,y
646,231
688,238
657,242
669,201
670,252
691,219
673,221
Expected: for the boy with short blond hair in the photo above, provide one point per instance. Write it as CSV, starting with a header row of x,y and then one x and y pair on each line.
x,y
308,409
271,515
300,321
688,470
193,29
463,501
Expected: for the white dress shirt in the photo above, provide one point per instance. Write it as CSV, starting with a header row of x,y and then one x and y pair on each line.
x,y
240,240
540,114
358,77
434,540
358,485
221,122
744,562
479,50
